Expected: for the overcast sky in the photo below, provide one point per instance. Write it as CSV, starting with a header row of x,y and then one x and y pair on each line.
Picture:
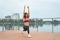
x,y
38,8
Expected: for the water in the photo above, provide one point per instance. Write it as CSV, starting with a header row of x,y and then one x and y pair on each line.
x,y
44,28
0,28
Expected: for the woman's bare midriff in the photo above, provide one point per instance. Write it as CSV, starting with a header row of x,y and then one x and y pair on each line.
x,y
26,23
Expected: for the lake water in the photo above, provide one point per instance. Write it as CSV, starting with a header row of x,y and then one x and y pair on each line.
x,y
44,28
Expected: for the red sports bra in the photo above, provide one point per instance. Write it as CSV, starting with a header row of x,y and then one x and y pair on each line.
x,y
26,20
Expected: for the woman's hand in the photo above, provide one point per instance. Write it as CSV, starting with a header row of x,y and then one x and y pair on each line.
x,y
27,6
24,7
28,11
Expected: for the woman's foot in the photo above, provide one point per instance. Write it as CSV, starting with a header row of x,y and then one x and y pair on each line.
x,y
29,36
21,32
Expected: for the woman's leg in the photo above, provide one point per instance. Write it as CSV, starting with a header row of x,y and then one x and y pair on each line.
x,y
28,30
24,28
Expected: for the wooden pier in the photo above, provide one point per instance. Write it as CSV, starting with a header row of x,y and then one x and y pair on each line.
x,y
17,35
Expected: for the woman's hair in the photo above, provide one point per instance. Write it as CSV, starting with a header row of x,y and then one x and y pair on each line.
x,y
25,15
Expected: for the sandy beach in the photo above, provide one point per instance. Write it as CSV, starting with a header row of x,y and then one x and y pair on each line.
x,y
17,35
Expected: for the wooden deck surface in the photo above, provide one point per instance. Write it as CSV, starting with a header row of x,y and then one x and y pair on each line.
x,y
17,35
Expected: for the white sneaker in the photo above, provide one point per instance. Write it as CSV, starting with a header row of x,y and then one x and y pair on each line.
x,y
29,35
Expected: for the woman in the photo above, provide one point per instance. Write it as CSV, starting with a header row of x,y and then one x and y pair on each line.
x,y
26,21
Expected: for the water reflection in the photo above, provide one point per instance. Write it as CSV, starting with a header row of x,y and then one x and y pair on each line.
x,y
43,28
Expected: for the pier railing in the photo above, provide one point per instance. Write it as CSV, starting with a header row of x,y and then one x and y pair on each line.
x,y
33,22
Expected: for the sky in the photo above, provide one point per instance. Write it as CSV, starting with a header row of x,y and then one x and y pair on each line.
x,y
38,8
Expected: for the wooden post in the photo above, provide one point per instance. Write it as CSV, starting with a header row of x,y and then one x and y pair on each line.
x,y
18,21
37,24
52,25
3,25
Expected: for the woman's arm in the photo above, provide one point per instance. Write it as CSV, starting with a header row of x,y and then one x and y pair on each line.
x,y
28,11
23,11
